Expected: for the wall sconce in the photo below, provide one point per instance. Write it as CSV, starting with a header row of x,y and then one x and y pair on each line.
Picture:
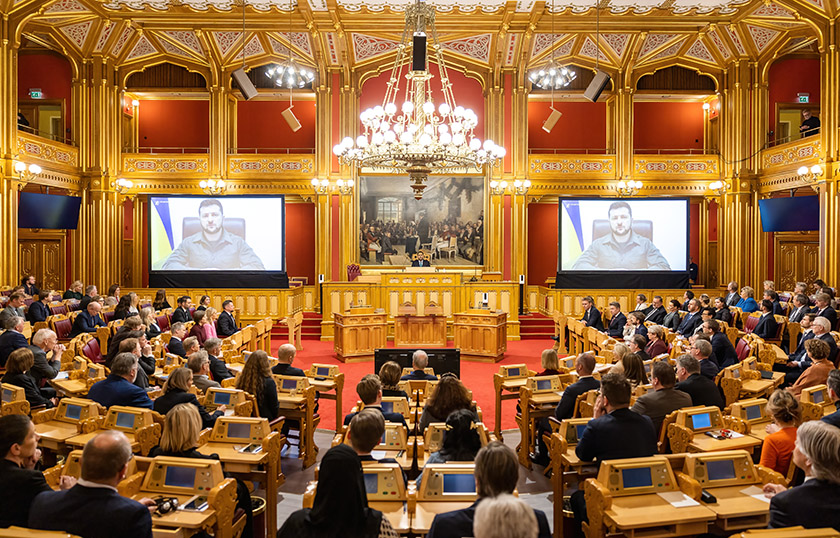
x,y
122,186
706,106
498,187
135,103
345,187
26,173
718,187
811,176
321,186
213,187
521,187
628,188
324,186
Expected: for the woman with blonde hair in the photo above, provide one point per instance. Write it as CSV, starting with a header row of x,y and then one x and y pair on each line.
x,y
633,368
747,302
505,516
210,314
389,374
256,379
549,362
147,317
778,446
619,351
176,391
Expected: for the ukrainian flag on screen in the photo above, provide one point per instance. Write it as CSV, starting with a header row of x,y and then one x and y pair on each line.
x,y
160,232
571,242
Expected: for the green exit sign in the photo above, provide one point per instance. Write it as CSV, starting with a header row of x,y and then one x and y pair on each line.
x,y
36,93
804,98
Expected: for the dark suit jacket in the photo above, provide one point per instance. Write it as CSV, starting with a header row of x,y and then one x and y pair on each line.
x,y
38,311
85,323
709,368
268,404
829,313
797,314
599,440
418,375
287,369
19,487
419,263
91,513
723,315
566,406
70,294
766,327
661,402
177,396
218,370
459,523
777,308
176,347
182,315
833,418
116,390
812,505
152,331
641,329
689,323
30,389
732,299
702,390
617,323
10,341
672,320
389,417
84,302
656,315
656,348
724,350
593,319
226,325
43,369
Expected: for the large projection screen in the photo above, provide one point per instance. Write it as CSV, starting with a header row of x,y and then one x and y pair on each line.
x,y
623,243
229,241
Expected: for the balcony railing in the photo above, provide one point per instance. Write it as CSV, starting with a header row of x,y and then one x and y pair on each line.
x,y
270,151
45,134
166,150
674,151
571,151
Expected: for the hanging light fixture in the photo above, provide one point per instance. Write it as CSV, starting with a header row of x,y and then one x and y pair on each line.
x,y
411,134
289,74
552,76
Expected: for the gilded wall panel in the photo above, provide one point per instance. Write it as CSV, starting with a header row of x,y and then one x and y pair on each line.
x,y
139,164
667,166
48,151
791,154
579,166
292,166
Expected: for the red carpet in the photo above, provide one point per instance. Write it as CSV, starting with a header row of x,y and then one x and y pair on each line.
x,y
477,376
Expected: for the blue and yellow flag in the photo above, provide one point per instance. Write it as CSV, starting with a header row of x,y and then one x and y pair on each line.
x,y
572,239
160,234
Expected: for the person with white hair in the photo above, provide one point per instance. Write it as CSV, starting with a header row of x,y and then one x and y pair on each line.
x,y
419,361
504,516
12,337
43,342
800,360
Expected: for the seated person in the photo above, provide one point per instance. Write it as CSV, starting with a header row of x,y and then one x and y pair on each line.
x,y
824,309
665,399
617,321
496,473
160,302
672,319
148,320
19,363
365,432
767,325
39,310
636,321
119,388
636,344
691,320
198,330
91,294
88,320
549,363
340,507
389,374
131,328
369,389
45,369
461,441
419,361
584,366
182,313
633,369
20,482
505,516
203,303
656,341
93,508
702,390
74,291
12,337
140,348
421,260
778,445
722,349
15,305
816,374
218,369
124,307
800,360
814,503
176,343
722,312
702,350
191,346
449,395
747,303
176,391
285,356
199,365
833,384
256,379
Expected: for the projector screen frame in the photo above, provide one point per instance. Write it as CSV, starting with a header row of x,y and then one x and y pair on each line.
x,y
610,279
199,278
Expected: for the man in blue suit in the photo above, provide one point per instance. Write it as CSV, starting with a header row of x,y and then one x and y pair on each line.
x,y
93,508
691,320
617,321
722,348
767,325
119,388
591,315
823,309
496,473
88,320
833,384
419,361
13,338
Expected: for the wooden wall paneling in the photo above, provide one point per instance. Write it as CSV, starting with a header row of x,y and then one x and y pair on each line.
x,y
42,253
796,258
165,75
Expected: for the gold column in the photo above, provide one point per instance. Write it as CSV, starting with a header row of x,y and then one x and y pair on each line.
x,y
8,143
759,270
137,251
734,235
519,130
219,131
829,228
519,237
830,118
348,224
623,121
494,222
323,230
703,256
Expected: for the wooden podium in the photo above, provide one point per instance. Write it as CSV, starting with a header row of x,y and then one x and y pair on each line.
x,y
358,333
411,330
481,335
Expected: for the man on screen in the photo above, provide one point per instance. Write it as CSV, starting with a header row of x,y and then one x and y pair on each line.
x,y
622,248
213,247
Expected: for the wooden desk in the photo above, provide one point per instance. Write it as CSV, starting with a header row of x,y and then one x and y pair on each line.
x,y
534,406
643,515
396,513
300,407
426,511
481,335
420,331
324,386
704,443
74,388
79,441
737,511
358,335
54,434
506,389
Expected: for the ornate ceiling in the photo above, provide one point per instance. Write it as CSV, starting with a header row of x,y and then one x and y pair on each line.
x,y
489,35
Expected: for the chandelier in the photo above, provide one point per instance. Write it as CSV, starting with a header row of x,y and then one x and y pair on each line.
x,y
552,77
290,75
412,135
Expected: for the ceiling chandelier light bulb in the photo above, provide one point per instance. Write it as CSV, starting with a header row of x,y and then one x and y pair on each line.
x,y
288,75
552,77
20,167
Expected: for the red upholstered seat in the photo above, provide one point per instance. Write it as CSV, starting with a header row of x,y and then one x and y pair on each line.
x,y
62,328
751,323
28,302
59,309
108,316
92,352
353,271
163,322
73,306
742,349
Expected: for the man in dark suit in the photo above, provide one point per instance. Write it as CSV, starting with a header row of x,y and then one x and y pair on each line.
x,y
701,349
15,306
38,310
800,308
90,293
176,341
227,323
722,348
88,320
722,312
773,297
637,344
637,320
591,315
419,362
732,295
182,313
657,312
823,309
767,325
833,384
93,508
800,361
496,473
664,399
421,260
285,355
44,369
119,388
672,318
702,390
687,297
369,390
12,338
617,321
691,320
218,369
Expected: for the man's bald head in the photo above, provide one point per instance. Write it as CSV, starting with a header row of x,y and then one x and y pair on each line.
x,y
105,456
286,353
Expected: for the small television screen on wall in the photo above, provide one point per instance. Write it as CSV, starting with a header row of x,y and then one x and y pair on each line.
x,y
796,214
48,211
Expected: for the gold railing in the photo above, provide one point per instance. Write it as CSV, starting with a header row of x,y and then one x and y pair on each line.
x,y
670,166
578,166
47,151
271,166
142,165
792,154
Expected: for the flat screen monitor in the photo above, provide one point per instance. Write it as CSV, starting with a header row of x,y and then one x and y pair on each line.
x,y
221,398
796,214
701,421
8,394
817,396
179,477
73,412
458,483
579,429
371,483
543,384
513,372
441,360
736,373
125,420
720,469
636,478
238,430
289,384
322,371
48,211
753,412
387,407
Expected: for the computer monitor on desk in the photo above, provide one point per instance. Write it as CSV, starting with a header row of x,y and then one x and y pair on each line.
x,y
182,476
818,394
514,371
701,419
571,429
442,360
384,482
637,476
127,419
753,410
75,410
216,397
548,383
13,393
240,430
327,371
721,469
448,482
291,384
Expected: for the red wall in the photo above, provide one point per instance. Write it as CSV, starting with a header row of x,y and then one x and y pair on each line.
x,y
468,93
52,74
667,126
174,124
300,240
542,242
694,232
260,125
789,77
582,126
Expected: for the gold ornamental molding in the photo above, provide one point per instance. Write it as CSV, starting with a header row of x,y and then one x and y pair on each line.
x,y
139,165
791,154
47,151
579,166
667,166
291,166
